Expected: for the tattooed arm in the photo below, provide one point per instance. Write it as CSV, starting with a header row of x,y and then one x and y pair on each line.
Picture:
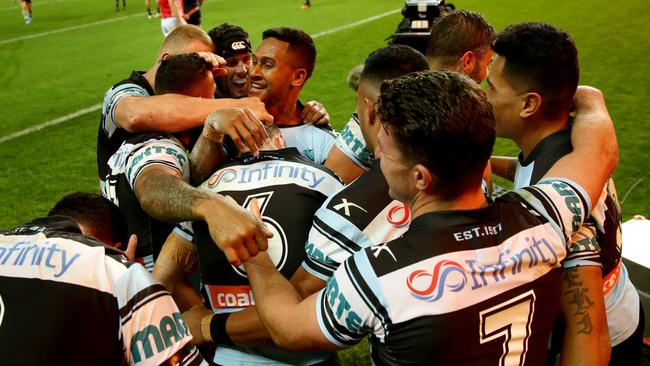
x,y
164,195
586,338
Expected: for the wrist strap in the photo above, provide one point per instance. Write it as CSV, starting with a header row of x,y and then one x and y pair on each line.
x,y
218,329
205,327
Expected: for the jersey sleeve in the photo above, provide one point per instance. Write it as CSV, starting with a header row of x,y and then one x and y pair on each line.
x,y
351,143
566,205
165,152
347,309
323,144
332,239
112,98
153,330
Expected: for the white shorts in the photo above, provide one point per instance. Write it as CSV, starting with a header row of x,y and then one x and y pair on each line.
x,y
167,25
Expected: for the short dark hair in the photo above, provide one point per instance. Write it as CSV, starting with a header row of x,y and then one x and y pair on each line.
x,y
392,61
542,58
443,121
457,32
105,220
177,73
300,43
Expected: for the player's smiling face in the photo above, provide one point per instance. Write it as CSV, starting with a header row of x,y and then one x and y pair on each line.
x,y
236,83
271,73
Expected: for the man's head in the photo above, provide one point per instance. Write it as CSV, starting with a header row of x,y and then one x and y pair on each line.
x,y
232,43
282,64
437,134
185,39
382,64
460,41
533,78
187,74
95,215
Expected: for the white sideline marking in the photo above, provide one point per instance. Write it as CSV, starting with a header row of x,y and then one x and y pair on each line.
x,y
96,107
53,122
37,35
362,21
632,188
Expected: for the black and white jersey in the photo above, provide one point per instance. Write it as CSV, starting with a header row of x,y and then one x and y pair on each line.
x,y
311,141
475,287
602,227
359,215
289,188
65,299
351,143
124,167
110,135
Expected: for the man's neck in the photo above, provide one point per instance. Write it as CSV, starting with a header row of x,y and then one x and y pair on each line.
x,y
424,203
150,76
286,114
537,131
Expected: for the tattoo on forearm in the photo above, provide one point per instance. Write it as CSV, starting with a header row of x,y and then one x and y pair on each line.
x,y
172,197
579,297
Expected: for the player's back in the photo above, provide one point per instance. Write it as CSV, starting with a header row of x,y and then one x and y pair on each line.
x,y
288,188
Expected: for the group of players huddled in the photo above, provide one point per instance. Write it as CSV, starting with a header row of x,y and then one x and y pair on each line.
x,y
307,240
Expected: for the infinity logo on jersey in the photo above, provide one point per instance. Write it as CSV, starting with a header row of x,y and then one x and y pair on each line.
x,y
446,273
399,216
225,175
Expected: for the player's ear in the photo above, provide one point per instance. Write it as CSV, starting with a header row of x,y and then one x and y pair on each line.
x,y
299,77
369,106
422,177
530,103
467,62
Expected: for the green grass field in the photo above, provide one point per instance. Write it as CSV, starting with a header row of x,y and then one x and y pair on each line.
x,y
75,49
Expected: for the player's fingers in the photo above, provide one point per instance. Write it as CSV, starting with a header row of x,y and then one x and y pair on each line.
x,y
255,208
256,127
231,200
236,139
131,247
262,236
232,256
247,137
251,246
242,252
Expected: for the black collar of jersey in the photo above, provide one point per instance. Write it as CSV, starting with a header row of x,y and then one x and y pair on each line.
x,y
549,143
453,218
288,153
137,77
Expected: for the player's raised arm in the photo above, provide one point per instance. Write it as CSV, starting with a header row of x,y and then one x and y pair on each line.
x,y
595,149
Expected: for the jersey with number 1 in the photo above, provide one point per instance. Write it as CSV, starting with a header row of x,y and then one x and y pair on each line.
x,y
288,189
475,287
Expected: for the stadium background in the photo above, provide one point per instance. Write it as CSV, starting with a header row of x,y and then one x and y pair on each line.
x,y
55,72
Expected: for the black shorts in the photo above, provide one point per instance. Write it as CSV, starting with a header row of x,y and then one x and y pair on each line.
x,y
194,18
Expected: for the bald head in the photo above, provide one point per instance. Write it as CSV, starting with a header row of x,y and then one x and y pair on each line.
x,y
186,39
